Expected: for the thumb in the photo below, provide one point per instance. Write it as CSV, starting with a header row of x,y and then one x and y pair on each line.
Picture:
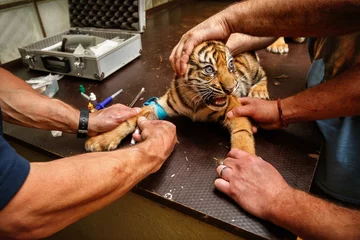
x,y
142,122
240,111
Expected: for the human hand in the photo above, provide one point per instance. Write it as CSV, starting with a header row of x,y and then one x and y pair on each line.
x,y
263,112
109,118
214,28
161,136
252,183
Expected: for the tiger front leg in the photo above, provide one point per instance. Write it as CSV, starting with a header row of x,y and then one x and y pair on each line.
x,y
110,140
241,134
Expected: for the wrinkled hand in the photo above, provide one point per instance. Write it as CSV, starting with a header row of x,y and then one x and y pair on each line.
x,y
263,112
253,183
214,28
161,135
109,118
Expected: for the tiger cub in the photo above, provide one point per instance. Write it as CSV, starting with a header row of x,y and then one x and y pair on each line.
x,y
209,89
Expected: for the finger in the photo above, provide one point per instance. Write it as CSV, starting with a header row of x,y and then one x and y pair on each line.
x,y
173,59
187,50
178,54
224,172
124,115
238,154
245,100
241,111
133,112
189,45
222,186
142,122
137,137
183,64
254,129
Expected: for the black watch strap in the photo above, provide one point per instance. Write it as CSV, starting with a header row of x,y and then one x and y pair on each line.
x,y
83,123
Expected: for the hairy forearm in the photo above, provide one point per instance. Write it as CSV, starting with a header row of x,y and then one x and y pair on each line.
x,y
60,192
313,218
239,43
22,105
338,97
308,18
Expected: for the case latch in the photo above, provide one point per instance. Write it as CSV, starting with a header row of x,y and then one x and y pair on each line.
x,y
79,66
30,60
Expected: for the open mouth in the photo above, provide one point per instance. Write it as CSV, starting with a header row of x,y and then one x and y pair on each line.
x,y
218,101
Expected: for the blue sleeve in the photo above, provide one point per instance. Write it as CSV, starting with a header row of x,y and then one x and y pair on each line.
x,y
14,170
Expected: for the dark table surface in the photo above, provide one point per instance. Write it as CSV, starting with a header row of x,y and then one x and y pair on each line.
x,y
185,182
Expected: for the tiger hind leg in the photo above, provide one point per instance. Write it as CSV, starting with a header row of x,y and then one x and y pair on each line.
x,y
279,46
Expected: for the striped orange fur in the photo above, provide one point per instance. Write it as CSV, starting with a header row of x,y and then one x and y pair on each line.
x,y
210,88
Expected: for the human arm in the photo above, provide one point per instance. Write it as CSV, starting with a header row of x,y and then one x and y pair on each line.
x,y
338,97
58,193
240,42
260,189
22,105
270,18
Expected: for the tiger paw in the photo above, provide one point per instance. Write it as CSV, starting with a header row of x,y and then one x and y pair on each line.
x,y
101,143
278,47
299,39
259,92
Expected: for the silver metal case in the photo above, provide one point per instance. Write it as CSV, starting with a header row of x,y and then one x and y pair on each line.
x,y
82,15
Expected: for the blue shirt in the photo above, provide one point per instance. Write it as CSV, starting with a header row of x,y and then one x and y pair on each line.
x,y
338,170
14,170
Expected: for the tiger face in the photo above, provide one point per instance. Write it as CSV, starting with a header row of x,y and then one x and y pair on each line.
x,y
212,74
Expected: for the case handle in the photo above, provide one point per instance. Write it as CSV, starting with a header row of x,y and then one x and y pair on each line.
x,y
56,64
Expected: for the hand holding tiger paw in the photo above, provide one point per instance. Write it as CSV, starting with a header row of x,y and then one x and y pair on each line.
x,y
263,112
161,136
109,118
253,183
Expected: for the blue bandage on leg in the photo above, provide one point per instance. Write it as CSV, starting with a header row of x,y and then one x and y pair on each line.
x,y
160,112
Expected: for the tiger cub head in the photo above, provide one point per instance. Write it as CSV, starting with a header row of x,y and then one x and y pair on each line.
x,y
212,75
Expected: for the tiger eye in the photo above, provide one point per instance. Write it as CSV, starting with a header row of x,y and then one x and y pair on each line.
x,y
231,65
209,69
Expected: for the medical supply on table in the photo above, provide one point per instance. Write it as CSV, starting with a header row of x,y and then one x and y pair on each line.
x,y
137,97
137,130
91,107
85,96
107,100
92,99
92,102
81,89
46,85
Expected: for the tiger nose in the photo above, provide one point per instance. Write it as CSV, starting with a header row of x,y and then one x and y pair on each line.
x,y
228,91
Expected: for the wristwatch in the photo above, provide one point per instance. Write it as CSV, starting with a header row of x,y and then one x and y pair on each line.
x,y
83,123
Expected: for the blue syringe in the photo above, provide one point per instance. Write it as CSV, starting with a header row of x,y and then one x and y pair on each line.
x,y
106,101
